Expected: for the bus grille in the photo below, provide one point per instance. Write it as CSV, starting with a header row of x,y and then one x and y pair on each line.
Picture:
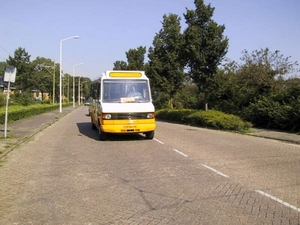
x,y
130,116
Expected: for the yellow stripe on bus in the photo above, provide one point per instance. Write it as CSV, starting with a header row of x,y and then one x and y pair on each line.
x,y
125,74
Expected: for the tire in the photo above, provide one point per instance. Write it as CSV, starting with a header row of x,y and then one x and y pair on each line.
x,y
149,135
102,135
93,125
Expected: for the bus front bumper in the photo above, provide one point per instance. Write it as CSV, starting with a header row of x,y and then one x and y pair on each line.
x,y
129,128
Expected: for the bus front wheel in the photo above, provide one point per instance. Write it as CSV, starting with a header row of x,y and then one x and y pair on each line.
x,y
93,125
102,135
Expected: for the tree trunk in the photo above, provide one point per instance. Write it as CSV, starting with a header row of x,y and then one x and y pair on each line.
x,y
171,103
206,101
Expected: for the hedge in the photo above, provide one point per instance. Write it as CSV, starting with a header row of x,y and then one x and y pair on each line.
x,y
20,112
209,119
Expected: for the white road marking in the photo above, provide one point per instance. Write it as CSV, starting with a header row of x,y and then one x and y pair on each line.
x,y
216,171
181,153
278,200
158,141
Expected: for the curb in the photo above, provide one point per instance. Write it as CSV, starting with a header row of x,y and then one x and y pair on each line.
x,y
22,140
275,138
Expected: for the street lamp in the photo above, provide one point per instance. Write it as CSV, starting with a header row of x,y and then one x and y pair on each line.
x,y
81,89
74,82
53,85
61,69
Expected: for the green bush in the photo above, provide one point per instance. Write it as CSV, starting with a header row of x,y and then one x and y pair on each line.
x,y
161,100
217,120
294,115
175,115
2,100
266,112
23,99
46,101
20,112
209,119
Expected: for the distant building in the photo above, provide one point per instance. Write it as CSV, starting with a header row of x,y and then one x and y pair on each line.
x,y
4,85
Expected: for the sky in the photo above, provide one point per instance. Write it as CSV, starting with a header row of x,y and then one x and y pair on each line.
x,y
107,29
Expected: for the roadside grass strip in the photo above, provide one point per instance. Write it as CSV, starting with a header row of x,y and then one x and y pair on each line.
x,y
278,200
216,171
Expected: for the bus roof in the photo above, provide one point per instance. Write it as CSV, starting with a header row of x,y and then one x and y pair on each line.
x,y
123,74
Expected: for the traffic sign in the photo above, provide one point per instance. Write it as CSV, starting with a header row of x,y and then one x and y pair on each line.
x,y
10,74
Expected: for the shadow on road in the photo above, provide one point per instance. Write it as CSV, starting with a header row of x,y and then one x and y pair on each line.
x,y
85,128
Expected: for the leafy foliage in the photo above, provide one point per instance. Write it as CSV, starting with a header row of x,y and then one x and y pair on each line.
x,y
257,91
120,65
2,67
21,61
187,98
261,73
185,71
209,119
23,99
174,115
218,120
225,92
45,74
161,100
2,100
135,60
21,112
165,65
204,45
266,112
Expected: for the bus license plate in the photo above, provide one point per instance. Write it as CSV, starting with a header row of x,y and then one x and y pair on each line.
x,y
129,127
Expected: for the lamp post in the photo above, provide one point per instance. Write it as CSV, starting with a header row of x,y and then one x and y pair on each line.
x,y
53,85
61,69
68,85
79,91
74,82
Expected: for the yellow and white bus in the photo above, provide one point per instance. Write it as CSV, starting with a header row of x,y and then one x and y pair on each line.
x,y
122,104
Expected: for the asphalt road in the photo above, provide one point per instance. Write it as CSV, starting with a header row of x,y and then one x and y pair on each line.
x,y
186,175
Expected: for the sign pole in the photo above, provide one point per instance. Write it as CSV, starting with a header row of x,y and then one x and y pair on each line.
x,y
9,76
6,109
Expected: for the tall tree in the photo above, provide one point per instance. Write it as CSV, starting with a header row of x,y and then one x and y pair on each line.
x,y
135,58
204,45
226,90
42,76
120,65
261,72
2,68
165,65
21,61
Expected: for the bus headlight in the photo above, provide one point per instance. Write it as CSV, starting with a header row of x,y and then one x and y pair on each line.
x,y
150,115
106,116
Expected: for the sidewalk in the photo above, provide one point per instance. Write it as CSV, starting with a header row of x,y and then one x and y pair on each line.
x,y
20,131
277,135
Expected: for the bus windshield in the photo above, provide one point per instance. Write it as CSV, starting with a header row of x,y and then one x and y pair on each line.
x,y
125,90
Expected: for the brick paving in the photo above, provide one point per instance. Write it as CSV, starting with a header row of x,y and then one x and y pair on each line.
x,y
51,179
